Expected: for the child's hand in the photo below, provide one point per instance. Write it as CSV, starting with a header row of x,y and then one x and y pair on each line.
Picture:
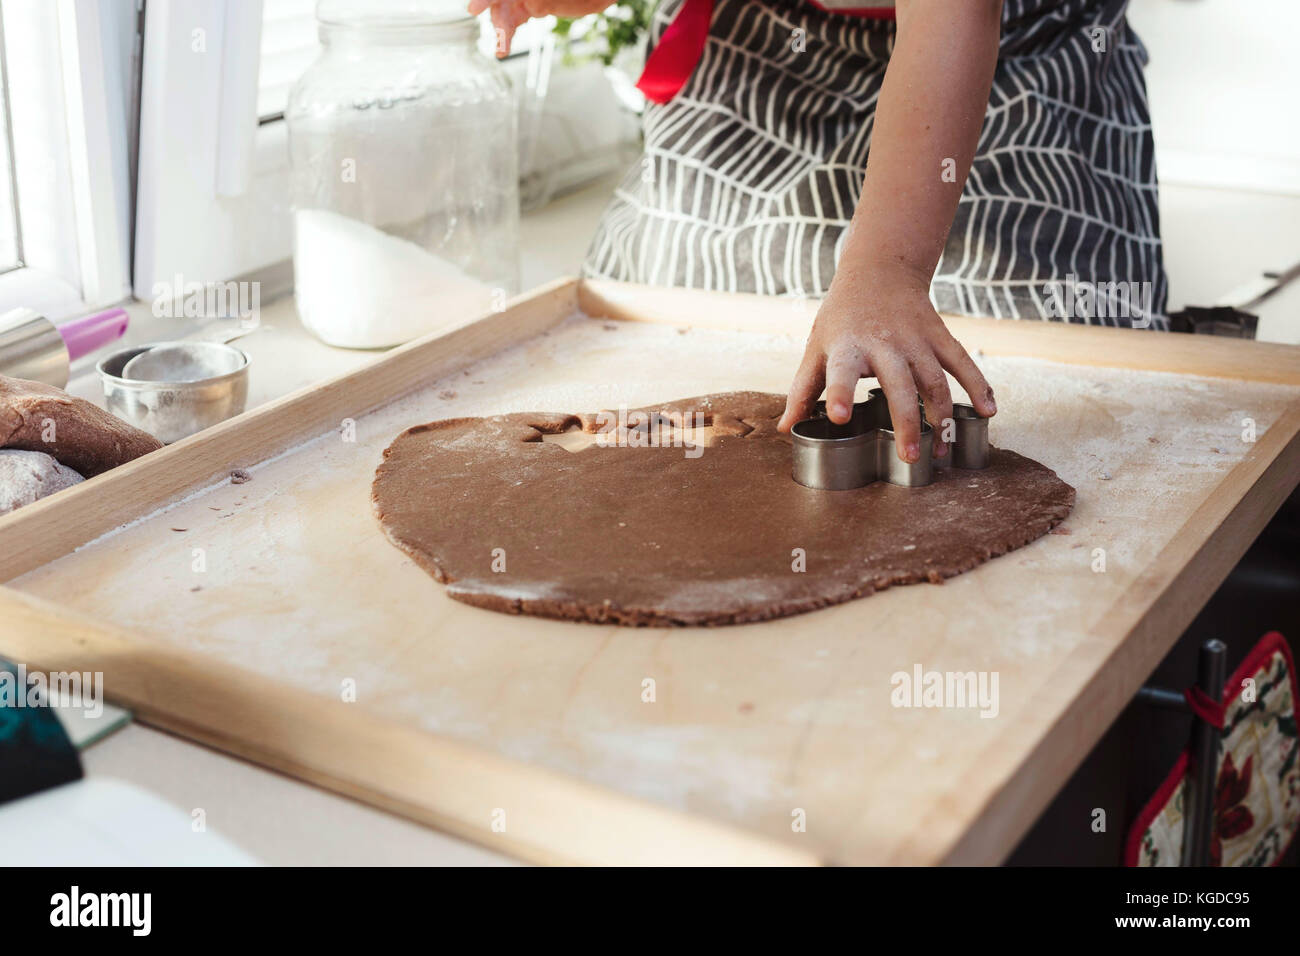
x,y
508,15
895,335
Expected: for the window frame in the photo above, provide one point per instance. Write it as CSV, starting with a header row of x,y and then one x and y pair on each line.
x,y
67,84
212,181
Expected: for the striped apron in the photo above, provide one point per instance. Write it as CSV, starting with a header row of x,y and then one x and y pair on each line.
x,y
756,137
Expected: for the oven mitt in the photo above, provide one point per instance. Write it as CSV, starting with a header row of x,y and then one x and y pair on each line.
x,y
35,752
1257,795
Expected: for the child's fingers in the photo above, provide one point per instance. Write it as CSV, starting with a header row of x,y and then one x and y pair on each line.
x,y
933,386
895,378
843,369
954,358
506,20
478,6
805,388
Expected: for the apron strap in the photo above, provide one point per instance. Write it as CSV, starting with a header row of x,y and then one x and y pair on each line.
x,y
673,59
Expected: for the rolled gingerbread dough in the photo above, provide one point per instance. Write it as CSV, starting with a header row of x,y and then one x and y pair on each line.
x,y
654,536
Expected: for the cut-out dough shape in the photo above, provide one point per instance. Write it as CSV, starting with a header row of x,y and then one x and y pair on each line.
x,y
665,536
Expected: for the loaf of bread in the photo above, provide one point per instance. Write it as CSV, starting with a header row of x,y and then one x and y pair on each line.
x,y
37,417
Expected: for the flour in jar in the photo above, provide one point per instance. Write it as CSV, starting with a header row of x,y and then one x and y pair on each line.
x,y
358,287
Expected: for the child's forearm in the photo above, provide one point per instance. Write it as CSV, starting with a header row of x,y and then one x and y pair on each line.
x,y
927,126
876,319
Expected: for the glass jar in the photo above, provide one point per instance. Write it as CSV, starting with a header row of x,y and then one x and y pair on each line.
x,y
404,173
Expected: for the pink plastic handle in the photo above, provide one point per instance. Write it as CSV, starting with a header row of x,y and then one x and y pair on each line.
x,y
83,336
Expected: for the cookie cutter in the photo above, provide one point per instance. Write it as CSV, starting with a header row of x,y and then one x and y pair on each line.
x,y
835,457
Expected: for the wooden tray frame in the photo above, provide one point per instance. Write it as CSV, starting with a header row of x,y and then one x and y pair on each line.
x,y
399,769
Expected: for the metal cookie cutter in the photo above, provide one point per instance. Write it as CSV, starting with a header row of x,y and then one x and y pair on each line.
x,y
838,457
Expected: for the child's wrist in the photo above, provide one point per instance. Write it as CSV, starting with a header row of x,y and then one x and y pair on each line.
x,y
888,278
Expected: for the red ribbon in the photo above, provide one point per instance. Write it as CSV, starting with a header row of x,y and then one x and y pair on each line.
x,y
675,56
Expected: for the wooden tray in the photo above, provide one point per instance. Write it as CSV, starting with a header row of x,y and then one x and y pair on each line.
x,y
532,736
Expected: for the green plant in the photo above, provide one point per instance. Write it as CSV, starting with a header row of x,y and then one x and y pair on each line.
x,y
601,36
